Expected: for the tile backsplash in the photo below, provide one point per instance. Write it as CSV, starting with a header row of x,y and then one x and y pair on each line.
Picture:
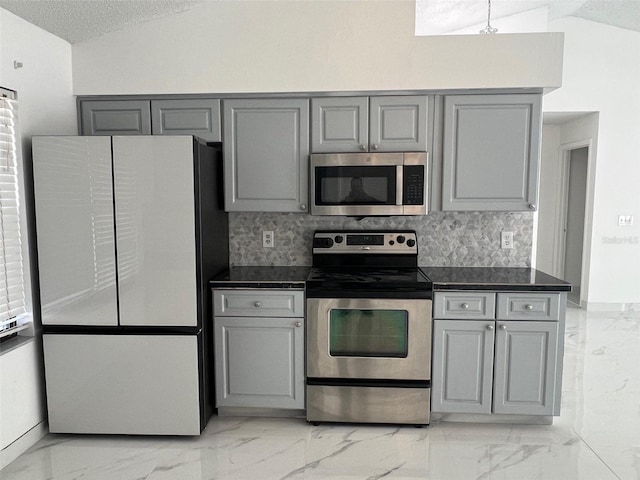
x,y
451,239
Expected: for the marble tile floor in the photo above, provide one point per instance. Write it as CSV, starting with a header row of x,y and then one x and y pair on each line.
x,y
597,436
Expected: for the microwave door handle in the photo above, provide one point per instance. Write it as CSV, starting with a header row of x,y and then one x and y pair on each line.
x,y
399,169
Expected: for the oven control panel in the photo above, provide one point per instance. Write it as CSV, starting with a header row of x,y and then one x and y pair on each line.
x,y
388,242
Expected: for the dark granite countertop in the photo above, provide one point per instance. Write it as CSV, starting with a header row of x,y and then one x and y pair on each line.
x,y
261,277
443,278
494,278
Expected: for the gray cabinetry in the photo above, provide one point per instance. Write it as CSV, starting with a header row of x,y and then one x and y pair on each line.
x,y
525,367
491,149
259,342
115,117
462,376
175,116
496,365
198,117
266,148
362,124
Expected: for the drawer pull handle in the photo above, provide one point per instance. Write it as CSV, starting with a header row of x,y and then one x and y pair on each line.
x,y
528,307
489,327
465,306
257,304
503,327
298,324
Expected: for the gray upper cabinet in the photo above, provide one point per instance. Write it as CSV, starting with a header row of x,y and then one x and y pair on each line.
x,y
491,149
339,124
266,148
199,117
398,124
115,117
363,124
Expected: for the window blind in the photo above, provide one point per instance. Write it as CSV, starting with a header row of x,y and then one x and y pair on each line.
x,y
12,299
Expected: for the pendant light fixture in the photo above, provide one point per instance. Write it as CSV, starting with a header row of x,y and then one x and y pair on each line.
x,y
489,28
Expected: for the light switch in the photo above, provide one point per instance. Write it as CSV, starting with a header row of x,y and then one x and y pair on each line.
x,y
625,220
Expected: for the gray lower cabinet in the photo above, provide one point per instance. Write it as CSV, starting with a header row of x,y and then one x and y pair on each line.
x,y
367,124
115,117
494,365
266,149
525,367
491,150
199,117
259,349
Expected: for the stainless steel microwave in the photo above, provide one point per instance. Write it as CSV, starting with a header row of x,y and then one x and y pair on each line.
x,y
369,184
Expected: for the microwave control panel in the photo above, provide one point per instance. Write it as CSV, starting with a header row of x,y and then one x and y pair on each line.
x,y
413,185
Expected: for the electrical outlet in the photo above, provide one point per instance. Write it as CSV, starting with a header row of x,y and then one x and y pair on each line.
x,y
625,220
267,238
506,240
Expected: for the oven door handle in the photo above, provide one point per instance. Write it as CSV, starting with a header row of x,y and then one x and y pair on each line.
x,y
399,169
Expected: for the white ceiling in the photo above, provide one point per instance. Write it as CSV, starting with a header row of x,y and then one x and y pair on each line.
x,y
77,20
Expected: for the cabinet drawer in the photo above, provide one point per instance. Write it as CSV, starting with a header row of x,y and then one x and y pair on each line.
x,y
476,305
528,306
258,303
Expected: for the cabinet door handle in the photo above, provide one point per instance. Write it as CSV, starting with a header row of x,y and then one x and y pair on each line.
x,y
303,207
490,327
532,206
503,327
298,324
374,147
257,304
528,307
465,306
363,148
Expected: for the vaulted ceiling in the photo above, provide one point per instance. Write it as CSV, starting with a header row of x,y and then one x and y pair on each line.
x,y
77,20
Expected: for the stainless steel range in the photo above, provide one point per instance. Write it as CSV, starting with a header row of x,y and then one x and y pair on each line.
x,y
368,329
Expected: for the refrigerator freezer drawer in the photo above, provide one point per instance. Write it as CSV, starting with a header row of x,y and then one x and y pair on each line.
x,y
122,384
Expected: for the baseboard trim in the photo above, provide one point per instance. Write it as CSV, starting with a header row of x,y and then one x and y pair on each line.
x,y
613,307
12,451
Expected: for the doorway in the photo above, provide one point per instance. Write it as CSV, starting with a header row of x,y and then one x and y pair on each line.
x,y
574,219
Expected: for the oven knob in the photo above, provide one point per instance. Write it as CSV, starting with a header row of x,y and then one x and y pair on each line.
x,y
339,239
322,243
411,242
400,239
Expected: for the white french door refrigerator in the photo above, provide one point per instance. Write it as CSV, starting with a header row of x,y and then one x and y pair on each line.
x,y
129,231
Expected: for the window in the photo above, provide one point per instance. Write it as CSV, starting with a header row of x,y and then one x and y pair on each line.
x,y
12,299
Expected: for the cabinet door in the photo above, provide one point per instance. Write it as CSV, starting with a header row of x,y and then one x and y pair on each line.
x,y
339,124
491,152
525,367
398,124
199,117
462,366
259,362
266,149
115,117
155,230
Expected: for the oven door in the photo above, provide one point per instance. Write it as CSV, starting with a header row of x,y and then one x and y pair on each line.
x,y
361,338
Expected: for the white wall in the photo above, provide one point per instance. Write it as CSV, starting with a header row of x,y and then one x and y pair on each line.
x,y
549,196
45,106
289,46
601,74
